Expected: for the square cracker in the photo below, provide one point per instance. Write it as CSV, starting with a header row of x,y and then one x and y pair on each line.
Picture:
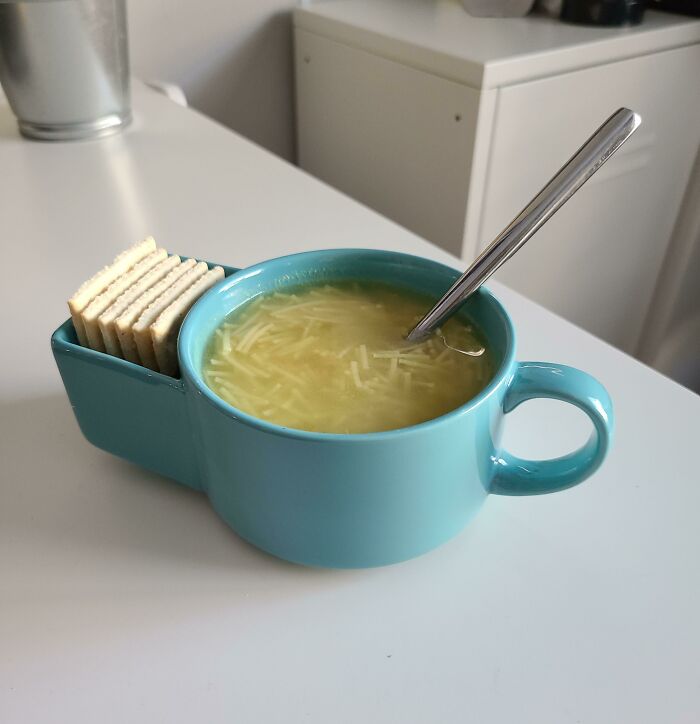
x,y
165,329
107,319
141,330
104,300
124,323
100,281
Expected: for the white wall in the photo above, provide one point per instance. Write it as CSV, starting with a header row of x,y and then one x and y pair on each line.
x,y
233,59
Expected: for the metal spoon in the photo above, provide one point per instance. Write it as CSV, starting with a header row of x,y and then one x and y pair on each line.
x,y
568,180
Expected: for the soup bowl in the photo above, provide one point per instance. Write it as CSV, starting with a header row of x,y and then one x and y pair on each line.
x,y
327,499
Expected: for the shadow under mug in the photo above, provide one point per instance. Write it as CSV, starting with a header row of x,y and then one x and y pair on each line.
x,y
325,499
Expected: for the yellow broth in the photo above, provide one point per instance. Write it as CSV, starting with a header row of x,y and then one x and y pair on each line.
x,y
333,358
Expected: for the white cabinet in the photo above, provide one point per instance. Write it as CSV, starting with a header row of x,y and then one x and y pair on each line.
x,y
448,124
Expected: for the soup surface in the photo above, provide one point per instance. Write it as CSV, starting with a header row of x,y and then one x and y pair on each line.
x,y
333,358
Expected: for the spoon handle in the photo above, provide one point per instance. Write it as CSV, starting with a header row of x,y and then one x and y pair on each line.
x,y
567,181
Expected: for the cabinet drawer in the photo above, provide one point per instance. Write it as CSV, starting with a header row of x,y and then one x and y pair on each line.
x,y
596,262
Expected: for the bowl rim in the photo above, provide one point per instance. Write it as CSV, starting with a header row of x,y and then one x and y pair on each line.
x,y
190,372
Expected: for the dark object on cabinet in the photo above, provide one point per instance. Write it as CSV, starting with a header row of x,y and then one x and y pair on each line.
x,y
603,12
686,7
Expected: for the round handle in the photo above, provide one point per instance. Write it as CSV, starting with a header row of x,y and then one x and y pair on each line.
x,y
516,476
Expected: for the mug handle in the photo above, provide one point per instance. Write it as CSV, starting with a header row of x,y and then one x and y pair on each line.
x,y
517,476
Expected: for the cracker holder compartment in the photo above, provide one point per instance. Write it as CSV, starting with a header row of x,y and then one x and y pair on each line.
x,y
126,409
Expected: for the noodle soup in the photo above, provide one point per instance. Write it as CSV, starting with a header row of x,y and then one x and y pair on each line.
x,y
333,358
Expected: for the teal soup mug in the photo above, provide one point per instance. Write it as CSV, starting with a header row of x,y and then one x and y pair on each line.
x,y
330,499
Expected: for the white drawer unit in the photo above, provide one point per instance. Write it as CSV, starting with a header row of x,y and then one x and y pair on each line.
x,y
448,124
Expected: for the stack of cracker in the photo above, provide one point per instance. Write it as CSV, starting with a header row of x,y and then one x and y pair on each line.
x,y
134,307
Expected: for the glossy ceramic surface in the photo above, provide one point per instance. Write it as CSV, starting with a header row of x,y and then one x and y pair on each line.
x,y
327,499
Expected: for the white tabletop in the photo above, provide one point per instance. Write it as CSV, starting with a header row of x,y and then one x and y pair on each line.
x,y
123,598
439,36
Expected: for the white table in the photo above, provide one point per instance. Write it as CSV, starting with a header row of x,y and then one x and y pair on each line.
x,y
123,598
